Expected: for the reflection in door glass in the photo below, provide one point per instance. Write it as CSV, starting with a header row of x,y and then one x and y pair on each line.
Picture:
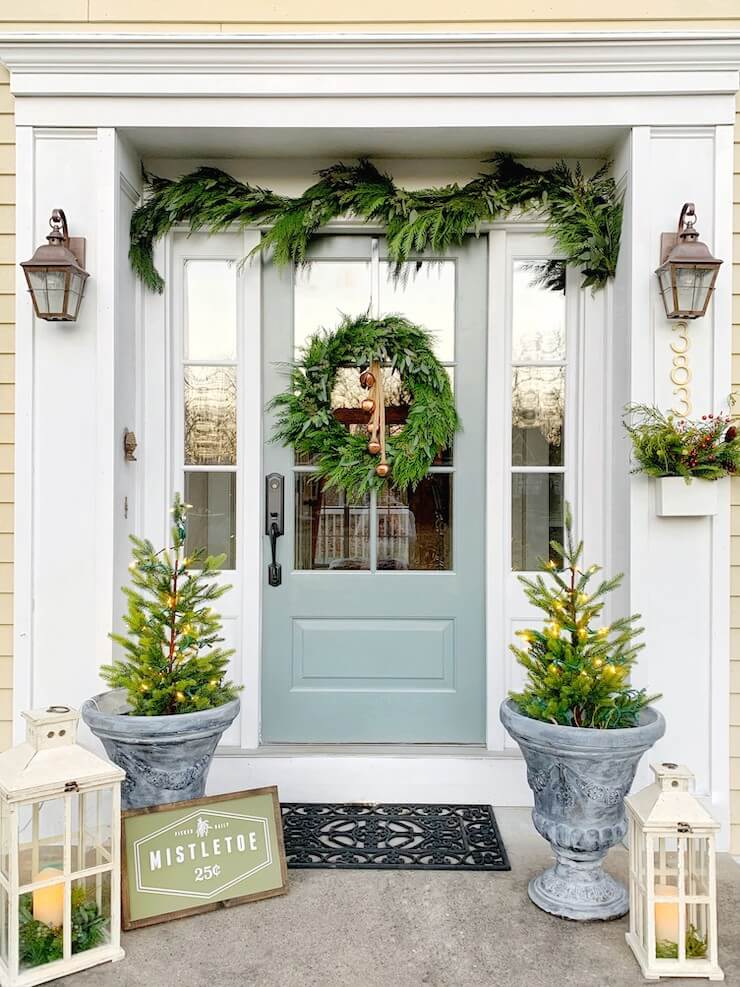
x,y
414,526
212,517
538,311
537,415
424,292
331,531
210,416
327,290
536,518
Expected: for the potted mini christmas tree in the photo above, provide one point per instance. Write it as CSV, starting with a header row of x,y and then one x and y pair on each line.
x,y
170,700
582,729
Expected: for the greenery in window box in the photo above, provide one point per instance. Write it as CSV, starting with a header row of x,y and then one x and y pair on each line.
x,y
40,943
577,672
666,445
173,661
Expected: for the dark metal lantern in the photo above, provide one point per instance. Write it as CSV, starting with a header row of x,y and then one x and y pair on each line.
x,y
56,273
688,271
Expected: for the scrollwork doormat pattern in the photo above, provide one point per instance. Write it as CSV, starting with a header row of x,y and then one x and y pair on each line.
x,y
393,836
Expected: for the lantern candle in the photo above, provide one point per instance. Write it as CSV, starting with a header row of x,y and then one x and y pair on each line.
x,y
666,914
48,902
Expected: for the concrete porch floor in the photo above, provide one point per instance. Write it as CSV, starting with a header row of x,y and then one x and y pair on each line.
x,y
402,929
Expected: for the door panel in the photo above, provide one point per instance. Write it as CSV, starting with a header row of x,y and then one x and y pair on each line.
x,y
376,633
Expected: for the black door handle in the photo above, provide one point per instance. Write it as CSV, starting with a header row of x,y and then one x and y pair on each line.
x,y
274,522
274,569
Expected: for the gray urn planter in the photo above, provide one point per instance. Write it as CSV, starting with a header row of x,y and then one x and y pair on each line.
x,y
579,778
166,758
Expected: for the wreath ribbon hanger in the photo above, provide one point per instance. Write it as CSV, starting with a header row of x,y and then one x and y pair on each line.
x,y
373,379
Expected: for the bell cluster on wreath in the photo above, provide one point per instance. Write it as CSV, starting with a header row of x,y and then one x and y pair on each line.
x,y
372,380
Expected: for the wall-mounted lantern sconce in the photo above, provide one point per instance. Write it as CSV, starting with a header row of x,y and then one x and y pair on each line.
x,y
56,273
687,271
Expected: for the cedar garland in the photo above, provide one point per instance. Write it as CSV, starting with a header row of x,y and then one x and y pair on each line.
x,y
584,215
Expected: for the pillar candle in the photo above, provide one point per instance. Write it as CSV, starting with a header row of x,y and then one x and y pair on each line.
x,y
48,903
666,914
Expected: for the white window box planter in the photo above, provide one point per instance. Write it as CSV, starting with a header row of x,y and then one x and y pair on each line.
x,y
674,497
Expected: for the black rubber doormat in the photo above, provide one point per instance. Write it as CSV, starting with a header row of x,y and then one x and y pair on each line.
x,y
392,836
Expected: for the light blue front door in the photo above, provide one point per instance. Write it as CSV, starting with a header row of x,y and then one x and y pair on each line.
x,y
376,633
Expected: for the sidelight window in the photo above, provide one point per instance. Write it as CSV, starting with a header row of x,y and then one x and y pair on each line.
x,y
538,376
209,377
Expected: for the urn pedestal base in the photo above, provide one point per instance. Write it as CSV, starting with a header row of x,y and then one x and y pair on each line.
x,y
579,889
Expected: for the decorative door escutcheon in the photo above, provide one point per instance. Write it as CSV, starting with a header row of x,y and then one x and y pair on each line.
x,y
274,522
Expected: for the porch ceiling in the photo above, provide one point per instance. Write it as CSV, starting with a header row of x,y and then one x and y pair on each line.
x,y
387,142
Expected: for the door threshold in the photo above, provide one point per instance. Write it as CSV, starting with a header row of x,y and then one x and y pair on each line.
x,y
276,750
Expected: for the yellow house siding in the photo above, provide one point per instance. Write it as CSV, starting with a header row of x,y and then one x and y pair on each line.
x,y
326,15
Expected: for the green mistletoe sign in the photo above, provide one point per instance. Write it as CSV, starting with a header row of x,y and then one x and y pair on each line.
x,y
193,856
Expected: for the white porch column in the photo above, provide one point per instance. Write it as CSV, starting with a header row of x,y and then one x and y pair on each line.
x,y
66,402
679,567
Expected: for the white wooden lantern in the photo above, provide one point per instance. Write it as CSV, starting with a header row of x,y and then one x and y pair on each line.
x,y
673,889
60,825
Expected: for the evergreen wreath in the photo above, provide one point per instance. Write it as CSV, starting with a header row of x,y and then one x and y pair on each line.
x,y
584,215
304,417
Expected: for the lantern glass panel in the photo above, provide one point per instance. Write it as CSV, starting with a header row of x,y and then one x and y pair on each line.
x,y
696,882
92,828
681,875
41,926
692,285
666,289
56,282
91,911
40,838
76,289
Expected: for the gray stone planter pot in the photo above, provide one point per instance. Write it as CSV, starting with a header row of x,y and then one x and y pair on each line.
x,y
579,779
166,758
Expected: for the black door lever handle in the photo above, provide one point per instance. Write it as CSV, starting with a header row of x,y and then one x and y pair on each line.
x,y
274,570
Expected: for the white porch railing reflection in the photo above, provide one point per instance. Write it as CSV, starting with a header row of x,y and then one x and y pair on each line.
x,y
343,536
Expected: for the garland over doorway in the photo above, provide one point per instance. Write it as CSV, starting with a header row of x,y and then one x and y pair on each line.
x,y
583,214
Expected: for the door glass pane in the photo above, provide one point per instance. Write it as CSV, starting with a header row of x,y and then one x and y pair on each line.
x,y
415,526
537,415
327,290
538,313
331,532
424,292
212,517
536,518
210,416
210,310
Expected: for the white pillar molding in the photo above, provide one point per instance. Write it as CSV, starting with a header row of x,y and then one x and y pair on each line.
x,y
679,567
